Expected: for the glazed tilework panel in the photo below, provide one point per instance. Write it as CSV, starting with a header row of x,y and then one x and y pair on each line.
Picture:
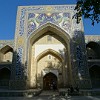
x,y
39,15
19,67
22,21
80,63
39,19
80,60
50,8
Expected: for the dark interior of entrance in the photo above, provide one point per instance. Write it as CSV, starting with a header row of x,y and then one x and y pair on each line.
x,y
95,76
4,77
50,81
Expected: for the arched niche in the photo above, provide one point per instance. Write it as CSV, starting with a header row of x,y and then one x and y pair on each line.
x,y
46,64
5,75
57,33
93,50
95,76
6,54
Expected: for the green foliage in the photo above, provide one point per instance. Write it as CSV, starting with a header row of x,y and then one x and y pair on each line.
x,y
89,9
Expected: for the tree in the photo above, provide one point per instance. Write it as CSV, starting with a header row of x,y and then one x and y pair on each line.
x,y
89,9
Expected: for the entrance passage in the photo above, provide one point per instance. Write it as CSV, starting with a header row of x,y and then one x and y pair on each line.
x,y
95,76
50,81
4,77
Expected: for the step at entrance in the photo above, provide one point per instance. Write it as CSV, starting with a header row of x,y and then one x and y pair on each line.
x,y
49,93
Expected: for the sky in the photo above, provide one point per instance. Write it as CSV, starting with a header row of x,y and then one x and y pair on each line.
x,y
8,11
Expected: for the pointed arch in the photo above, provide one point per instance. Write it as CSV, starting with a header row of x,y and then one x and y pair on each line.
x,y
48,27
49,51
6,48
6,54
42,31
56,32
93,50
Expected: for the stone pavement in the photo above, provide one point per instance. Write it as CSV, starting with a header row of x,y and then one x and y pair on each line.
x,y
52,98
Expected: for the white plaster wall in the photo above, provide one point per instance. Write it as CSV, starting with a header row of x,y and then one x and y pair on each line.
x,y
40,48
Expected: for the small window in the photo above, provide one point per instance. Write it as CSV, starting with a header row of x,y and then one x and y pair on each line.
x,y
49,38
49,57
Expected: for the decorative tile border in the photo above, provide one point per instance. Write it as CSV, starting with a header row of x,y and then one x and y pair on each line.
x,y
19,68
22,21
42,14
80,60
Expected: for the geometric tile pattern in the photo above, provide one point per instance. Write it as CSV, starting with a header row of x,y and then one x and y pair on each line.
x,y
19,69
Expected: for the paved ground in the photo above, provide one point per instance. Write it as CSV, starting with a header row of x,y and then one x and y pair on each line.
x,y
52,98
49,95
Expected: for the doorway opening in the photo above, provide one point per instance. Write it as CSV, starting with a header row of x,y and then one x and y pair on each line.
x,y
95,76
50,81
4,77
